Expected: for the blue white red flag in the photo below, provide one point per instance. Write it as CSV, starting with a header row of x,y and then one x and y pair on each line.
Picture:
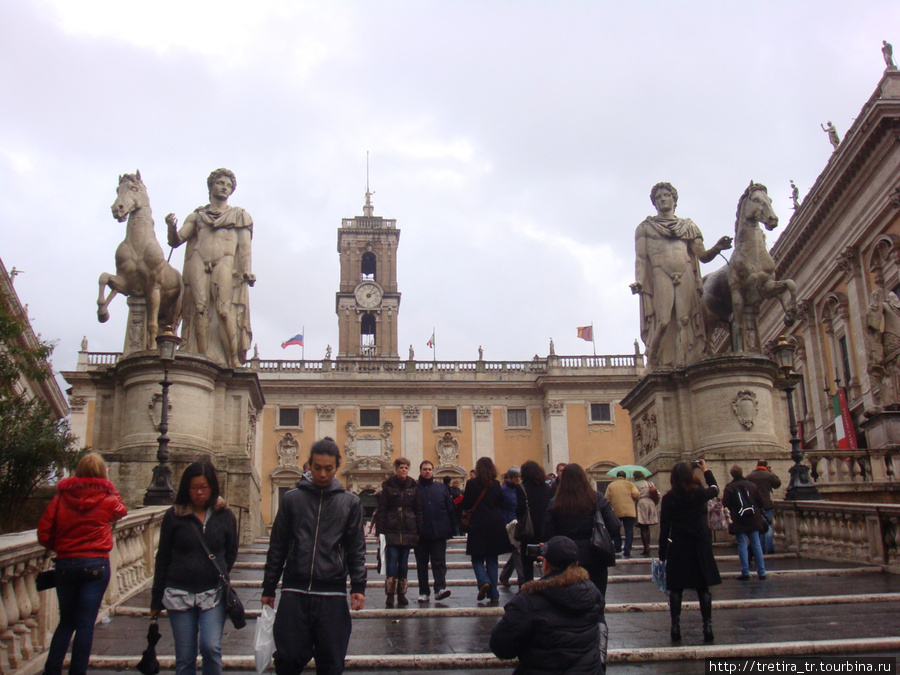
x,y
296,340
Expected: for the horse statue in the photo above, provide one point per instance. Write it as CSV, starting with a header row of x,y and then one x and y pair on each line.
x,y
735,291
141,268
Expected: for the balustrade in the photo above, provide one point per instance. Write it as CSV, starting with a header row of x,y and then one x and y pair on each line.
x,y
28,618
864,533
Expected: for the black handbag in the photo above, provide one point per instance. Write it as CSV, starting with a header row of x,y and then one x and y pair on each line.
x,y
601,541
525,526
45,580
234,608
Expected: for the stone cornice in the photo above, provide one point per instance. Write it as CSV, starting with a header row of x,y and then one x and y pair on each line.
x,y
872,137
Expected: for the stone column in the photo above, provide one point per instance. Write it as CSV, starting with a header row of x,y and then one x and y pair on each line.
x,y
326,425
556,432
411,437
482,434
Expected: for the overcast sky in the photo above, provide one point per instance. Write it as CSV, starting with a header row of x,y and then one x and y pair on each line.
x,y
514,142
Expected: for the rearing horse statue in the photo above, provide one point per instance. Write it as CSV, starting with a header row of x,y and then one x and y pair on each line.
x,y
736,290
141,267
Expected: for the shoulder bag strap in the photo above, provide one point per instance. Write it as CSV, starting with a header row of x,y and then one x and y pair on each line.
x,y
480,497
212,558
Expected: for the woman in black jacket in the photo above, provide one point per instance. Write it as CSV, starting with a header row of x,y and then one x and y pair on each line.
x,y
534,497
571,514
486,538
399,519
685,543
186,581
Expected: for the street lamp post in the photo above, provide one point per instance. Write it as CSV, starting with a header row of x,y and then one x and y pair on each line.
x,y
160,492
801,485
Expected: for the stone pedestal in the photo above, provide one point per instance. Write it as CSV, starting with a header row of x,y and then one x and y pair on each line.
x,y
882,430
726,410
213,412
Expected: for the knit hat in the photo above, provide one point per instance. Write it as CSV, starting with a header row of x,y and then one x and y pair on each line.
x,y
762,462
560,552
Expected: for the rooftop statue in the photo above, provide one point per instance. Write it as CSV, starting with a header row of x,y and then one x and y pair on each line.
x,y
669,251
832,134
887,51
217,274
141,268
749,276
795,195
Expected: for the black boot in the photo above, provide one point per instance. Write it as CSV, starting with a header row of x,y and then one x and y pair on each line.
x,y
706,614
645,540
675,613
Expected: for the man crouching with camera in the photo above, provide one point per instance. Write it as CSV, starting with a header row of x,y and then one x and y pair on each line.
x,y
555,624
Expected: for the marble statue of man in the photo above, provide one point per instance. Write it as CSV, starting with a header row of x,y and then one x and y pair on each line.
x,y
887,51
669,251
795,195
217,274
833,137
883,344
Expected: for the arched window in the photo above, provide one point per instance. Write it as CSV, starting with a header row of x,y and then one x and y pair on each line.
x,y
368,266
367,335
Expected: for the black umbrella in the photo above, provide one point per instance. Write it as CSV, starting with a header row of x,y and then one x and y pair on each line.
x,y
149,664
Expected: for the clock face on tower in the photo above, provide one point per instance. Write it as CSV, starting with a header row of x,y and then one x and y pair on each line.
x,y
368,294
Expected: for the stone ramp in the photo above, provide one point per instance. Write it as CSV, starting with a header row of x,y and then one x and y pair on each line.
x,y
804,607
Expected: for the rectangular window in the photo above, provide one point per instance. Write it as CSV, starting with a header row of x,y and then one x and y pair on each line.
x,y
845,361
369,417
601,412
289,417
517,417
446,417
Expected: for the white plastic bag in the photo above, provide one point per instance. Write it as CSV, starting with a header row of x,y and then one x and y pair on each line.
x,y
264,643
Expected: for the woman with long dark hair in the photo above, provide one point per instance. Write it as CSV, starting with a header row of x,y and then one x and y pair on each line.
x,y
399,519
77,525
486,538
537,498
571,514
685,543
187,581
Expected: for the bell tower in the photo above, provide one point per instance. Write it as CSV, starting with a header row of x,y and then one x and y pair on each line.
x,y
367,303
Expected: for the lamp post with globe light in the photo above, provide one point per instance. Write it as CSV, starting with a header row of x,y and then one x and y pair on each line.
x,y
801,485
160,492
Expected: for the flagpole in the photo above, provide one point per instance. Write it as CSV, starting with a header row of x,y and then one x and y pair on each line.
x,y
593,339
303,346
433,347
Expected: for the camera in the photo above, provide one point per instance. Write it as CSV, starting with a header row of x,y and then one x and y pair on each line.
x,y
695,463
534,550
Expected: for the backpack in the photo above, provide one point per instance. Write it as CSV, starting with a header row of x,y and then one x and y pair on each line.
x,y
745,507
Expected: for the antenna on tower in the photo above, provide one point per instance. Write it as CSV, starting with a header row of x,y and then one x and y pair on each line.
x,y
368,209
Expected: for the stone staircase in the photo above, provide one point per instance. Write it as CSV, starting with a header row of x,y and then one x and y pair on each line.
x,y
805,607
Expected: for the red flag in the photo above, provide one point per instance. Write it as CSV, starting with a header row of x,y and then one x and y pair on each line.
x,y
586,333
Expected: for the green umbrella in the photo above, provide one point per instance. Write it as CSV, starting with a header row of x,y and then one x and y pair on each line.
x,y
629,470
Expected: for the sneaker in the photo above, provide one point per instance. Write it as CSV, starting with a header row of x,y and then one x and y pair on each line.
x,y
425,598
442,594
743,577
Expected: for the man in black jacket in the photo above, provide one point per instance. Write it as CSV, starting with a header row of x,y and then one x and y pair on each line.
x,y
317,541
438,514
555,624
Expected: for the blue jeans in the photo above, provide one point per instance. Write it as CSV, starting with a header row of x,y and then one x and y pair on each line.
x,y
186,626
485,567
80,585
743,556
397,564
770,535
307,625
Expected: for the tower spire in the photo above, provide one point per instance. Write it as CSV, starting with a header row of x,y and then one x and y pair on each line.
x,y
368,209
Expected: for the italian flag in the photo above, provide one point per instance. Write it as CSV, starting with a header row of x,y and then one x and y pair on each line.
x,y
843,425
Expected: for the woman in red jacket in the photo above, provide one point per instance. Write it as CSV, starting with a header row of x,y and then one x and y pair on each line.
x,y
77,526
